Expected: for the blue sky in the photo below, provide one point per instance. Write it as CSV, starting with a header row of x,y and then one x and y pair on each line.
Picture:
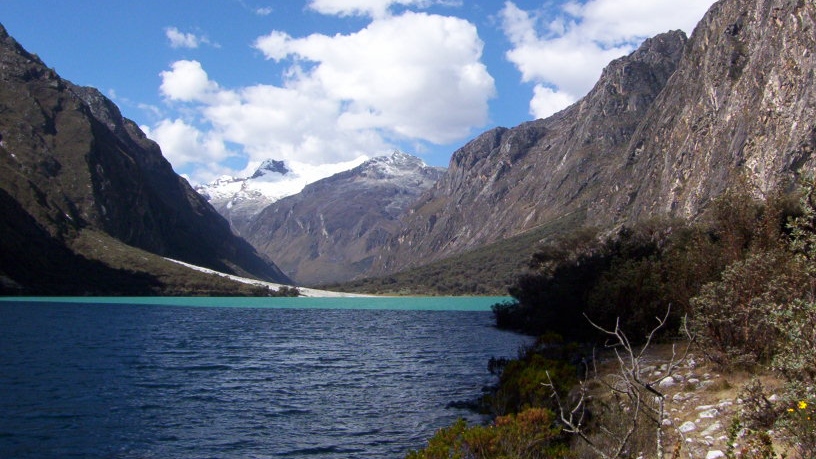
x,y
224,84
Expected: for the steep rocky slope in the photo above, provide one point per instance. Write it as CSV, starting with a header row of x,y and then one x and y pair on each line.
x,y
743,101
72,163
508,181
332,230
663,132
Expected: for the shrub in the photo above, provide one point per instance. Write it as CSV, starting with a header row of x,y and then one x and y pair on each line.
x,y
798,426
522,383
734,316
531,434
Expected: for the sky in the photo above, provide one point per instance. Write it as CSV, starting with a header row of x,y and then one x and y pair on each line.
x,y
222,85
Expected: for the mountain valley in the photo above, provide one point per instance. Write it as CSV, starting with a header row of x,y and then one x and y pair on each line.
x,y
663,133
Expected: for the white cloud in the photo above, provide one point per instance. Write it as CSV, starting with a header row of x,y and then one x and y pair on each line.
x,y
416,75
180,39
413,77
188,82
183,144
546,101
564,51
274,45
373,8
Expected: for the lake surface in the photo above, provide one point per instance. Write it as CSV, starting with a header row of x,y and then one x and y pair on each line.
x,y
296,378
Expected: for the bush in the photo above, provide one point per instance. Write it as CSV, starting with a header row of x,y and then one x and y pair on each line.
x,y
531,434
522,383
734,316
632,275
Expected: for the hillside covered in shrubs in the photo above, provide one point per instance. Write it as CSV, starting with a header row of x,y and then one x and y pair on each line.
x,y
738,287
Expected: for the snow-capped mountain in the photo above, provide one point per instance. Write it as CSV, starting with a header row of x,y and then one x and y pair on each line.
x,y
332,230
239,199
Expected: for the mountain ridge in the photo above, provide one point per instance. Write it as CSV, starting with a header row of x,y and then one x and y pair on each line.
x,y
663,133
74,164
332,230
510,180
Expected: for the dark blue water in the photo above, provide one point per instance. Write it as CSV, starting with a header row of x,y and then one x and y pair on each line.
x,y
115,381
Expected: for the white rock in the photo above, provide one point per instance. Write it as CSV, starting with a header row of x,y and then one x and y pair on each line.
x,y
704,407
709,414
715,454
725,404
666,383
666,422
687,427
712,429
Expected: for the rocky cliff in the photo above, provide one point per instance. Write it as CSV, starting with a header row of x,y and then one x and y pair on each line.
x,y
742,103
335,227
72,163
508,181
663,132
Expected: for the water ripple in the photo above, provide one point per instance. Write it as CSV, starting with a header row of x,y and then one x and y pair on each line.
x,y
99,381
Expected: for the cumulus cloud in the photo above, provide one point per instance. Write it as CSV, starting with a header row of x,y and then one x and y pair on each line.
x,y
412,77
563,51
179,39
187,81
184,144
546,101
416,75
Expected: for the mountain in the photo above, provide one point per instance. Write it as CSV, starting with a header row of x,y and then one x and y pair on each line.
x,y
509,181
240,199
663,132
73,170
333,229
742,102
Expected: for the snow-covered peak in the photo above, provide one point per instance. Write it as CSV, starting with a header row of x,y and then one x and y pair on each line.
x,y
399,164
271,168
271,181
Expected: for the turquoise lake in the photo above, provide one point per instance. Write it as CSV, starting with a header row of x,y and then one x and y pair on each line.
x,y
476,303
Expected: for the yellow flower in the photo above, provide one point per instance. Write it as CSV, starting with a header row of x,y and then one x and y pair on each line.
x,y
791,410
802,405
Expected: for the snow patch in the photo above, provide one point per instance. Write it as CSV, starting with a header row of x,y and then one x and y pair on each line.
x,y
304,292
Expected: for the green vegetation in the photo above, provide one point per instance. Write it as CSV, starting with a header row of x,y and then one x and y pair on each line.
x,y
95,263
488,270
530,434
741,281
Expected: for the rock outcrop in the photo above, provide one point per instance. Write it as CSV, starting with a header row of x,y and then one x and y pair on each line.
x,y
742,103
